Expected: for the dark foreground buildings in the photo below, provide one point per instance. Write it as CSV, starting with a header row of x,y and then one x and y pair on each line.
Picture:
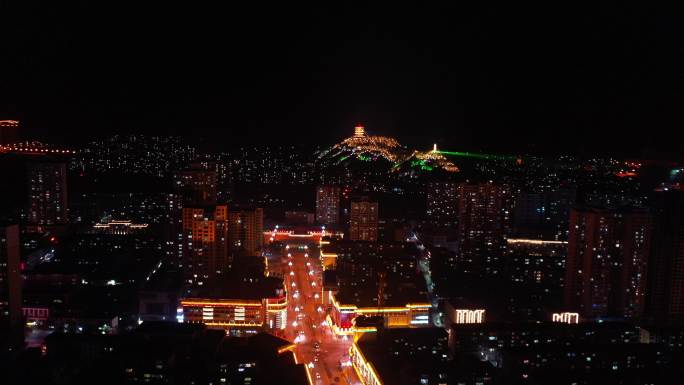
x,y
665,302
168,353
10,279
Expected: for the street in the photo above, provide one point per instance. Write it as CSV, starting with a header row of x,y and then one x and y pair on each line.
x,y
326,355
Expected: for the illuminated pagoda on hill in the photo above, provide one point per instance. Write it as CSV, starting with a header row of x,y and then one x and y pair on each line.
x,y
364,147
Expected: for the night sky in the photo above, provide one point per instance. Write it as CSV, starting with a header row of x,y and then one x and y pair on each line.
x,y
506,78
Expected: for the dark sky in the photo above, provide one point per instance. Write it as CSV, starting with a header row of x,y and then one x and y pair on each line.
x,y
508,78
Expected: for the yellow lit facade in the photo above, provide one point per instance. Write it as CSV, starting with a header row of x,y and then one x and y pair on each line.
x,y
236,314
342,319
364,369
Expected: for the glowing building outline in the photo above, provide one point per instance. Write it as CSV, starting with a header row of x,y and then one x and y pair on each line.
x,y
565,317
469,316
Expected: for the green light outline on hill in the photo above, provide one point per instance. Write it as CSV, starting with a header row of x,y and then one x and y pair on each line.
x,y
475,155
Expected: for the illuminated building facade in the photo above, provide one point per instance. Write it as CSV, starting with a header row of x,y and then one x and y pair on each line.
x,y
9,132
483,218
458,312
228,313
468,316
565,317
10,277
328,205
363,224
607,264
47,189
312,235
442,201
411,315
239,307
245,231
119,227
204,243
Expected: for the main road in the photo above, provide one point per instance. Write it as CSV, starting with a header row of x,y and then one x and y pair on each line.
x,y
326,355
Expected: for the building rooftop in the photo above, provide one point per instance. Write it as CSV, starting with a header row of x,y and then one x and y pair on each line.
x,y
406,356
242,288
366,269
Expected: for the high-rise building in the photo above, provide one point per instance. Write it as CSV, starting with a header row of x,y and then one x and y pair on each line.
x,y
535,262
665,298
196,185
204,243
10,277
246,230
607,263
442,201
9,130
173,230
47,190
328,205
543,215
194,188
483,219
363,224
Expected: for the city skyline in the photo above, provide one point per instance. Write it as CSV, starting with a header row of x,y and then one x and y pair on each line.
x,y
434,194
466,76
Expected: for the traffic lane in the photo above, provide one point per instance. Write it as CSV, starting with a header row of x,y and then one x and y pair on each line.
x,y
321,371
326,368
